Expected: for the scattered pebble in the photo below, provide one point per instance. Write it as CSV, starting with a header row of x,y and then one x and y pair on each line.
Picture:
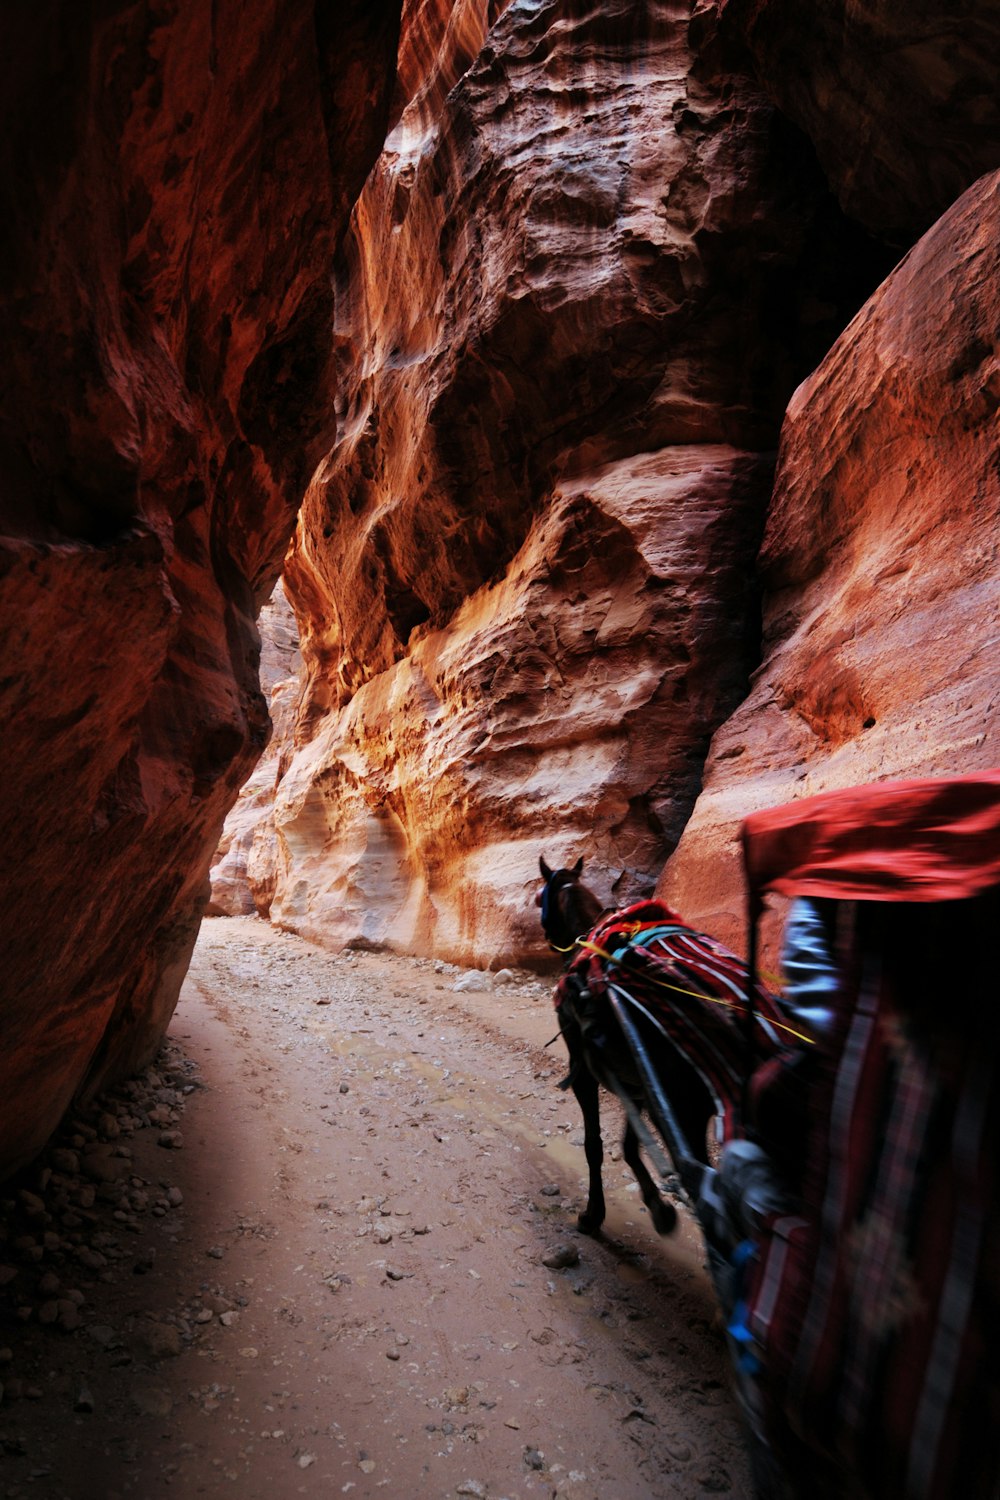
x,y
561,1257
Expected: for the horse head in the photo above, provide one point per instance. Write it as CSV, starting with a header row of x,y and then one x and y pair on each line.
x,y
568,908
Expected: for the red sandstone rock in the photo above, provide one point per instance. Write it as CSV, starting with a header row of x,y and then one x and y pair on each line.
x,y
900,100
881,562
567,316
175,183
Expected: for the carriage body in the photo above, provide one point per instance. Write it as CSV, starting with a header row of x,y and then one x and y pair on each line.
x,y
873,1307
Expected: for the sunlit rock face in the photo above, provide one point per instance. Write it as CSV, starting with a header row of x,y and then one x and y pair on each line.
x,y
243,868
900,100
881,561
175,180
574,298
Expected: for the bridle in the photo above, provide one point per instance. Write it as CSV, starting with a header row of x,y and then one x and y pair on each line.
x,y
548,900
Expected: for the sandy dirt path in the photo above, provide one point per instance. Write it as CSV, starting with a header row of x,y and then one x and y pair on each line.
x,y
353,1293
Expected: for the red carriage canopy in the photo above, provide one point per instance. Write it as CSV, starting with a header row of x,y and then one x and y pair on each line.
x,y
930,839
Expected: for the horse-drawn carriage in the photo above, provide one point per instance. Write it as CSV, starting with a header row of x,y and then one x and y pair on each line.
x,y
852,1222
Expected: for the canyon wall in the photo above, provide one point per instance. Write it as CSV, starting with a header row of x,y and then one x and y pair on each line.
x,y
901,101
880,562
175,179
575,296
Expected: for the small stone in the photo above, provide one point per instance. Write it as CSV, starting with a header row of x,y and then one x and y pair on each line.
x,y
93,1260
7,1274
367,1466
392,1354
215,1251
229,1319
550,1190
306,1459
69,1315
49,1284
249,1352
383,1234
345,1088
533,1459
48,1312
175,1197
561,1257
162,1340
203,1315
170,1140
504,976
395,1274
471,1487
472,982
151,1400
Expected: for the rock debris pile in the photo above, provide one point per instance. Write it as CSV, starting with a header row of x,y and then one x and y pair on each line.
x,y
86,1217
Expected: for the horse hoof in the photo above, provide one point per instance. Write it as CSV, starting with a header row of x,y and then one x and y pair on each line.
x,y
587,1225
664,1217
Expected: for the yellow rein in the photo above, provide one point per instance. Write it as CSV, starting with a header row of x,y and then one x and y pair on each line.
x,y
694,994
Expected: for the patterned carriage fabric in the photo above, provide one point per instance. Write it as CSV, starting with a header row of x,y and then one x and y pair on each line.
x,y
690,986
876,1311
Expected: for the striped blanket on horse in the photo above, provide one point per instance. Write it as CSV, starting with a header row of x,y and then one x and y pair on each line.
x,y
690,989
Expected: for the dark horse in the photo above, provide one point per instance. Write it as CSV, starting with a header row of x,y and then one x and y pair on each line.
x,y
599,1054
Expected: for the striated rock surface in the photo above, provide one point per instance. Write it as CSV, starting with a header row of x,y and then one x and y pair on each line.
x,y
575,296
900,101
243,867
174,181
881,562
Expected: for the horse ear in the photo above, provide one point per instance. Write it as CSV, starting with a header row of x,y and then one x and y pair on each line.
x,y
546,872
578,867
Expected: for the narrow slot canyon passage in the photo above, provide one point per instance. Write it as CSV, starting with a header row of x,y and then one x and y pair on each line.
x,y
374,1168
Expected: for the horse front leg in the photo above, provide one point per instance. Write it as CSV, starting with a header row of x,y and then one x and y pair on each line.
x,y
664,1215
588,1098
585,1090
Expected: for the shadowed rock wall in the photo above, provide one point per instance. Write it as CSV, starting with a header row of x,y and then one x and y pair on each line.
x,y
174,181
574,298
880,562
901,101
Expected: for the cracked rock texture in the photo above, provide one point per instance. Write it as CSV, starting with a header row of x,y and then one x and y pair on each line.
x,y
880,562
174,182
575,296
